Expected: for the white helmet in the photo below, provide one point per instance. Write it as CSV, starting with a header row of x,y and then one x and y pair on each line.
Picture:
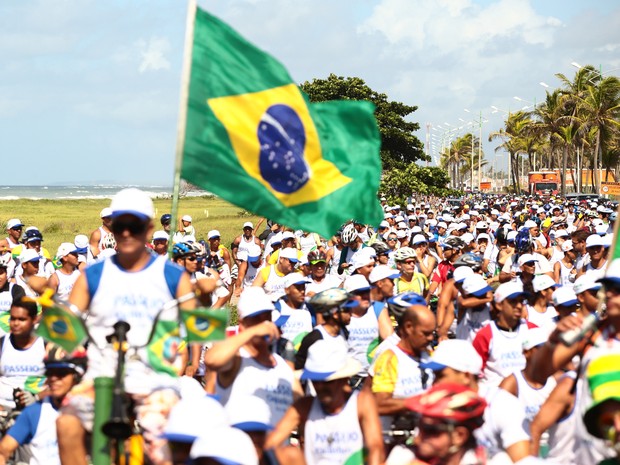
x,y
404,253
349,234
108,241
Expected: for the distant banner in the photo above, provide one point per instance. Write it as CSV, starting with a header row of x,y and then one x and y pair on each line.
x,y
610,188
485,185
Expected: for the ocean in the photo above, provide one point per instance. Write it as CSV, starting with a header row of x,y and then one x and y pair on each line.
x,y
77,191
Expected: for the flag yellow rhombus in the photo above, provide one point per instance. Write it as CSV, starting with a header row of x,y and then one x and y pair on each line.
x,y
276,143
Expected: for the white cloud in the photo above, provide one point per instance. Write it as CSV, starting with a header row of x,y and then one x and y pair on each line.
x,y
152,54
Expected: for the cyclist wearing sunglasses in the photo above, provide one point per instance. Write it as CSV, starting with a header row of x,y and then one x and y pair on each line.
x,y
132,286
36,425
14,229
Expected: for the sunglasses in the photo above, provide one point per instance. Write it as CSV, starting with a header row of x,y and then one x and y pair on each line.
x,y
58,372
409,262
191,258
432,429
391,239
216,238
530,263
300,286
18,228
135,228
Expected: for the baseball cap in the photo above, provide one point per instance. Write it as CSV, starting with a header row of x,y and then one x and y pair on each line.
x,y
530,224
186,218
81,243
380,272
526,257
13,223
467,238
248,224
384,224
482,225
511,236
328,360
457,354
483,236
442,224
229,446
65,249
357,282
509,290
561,233
594,240
534,337
213,233
567,246
586,282
564,297
288,235
461,273
294,278
542,282
289,253
401,234
29,255
419,239
360,259
107,211
134,202
186,418
476,285
253,301
160,235
249,413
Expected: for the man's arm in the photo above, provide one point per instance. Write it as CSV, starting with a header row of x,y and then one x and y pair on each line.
x,y
8,445
95,237
295,416
385,324
557,405
371,427
79,294
384,382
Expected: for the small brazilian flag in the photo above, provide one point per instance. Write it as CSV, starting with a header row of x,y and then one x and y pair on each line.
x,y
204,324
251,137
62,327
164,347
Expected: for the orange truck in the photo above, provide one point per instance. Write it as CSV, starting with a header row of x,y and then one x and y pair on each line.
x,y
543,182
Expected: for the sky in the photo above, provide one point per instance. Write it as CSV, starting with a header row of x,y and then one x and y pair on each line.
x,y
89,90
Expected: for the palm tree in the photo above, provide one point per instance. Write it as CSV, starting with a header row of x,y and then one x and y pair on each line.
x,y
511,136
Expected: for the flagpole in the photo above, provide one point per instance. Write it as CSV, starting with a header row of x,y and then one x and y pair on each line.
x,y
181,124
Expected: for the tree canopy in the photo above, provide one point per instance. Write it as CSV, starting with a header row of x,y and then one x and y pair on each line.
x,y
399,146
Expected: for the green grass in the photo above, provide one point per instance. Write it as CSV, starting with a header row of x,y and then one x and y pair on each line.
x,y
61,220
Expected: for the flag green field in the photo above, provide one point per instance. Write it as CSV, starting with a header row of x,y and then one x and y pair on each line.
x,y
252,137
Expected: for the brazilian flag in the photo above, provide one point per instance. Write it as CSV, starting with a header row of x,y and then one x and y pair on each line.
x,y
251,137
204,324
62,327
164,347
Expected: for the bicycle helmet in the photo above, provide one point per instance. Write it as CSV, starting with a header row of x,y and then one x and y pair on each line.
x,y
404,253
469,259
450,403
329,300
59,358
380,247
523,241
398,304
33,235
454,242
165,218
349,234
180,249
108,242
317,256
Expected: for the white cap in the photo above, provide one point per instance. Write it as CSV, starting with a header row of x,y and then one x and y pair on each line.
x,y
107,211
29,255
601,229
65,249
380,272
290,253
13,223
253,301
186,418
530,224
461,273
384,224
328,360
81,241
467,238
594,240
542,282
134,202
213,233
416,230
564,296
294,278
226,445
159,235
567,245
186,218
248,224
401,234
288,235
442,224
249,413
419,239
476,285
457,354
483,236
482,225
511,236
508,290
526,257
357,282
533,338
561,233
586,282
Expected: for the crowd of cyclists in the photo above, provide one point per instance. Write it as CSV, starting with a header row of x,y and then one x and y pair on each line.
x,y
479,330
